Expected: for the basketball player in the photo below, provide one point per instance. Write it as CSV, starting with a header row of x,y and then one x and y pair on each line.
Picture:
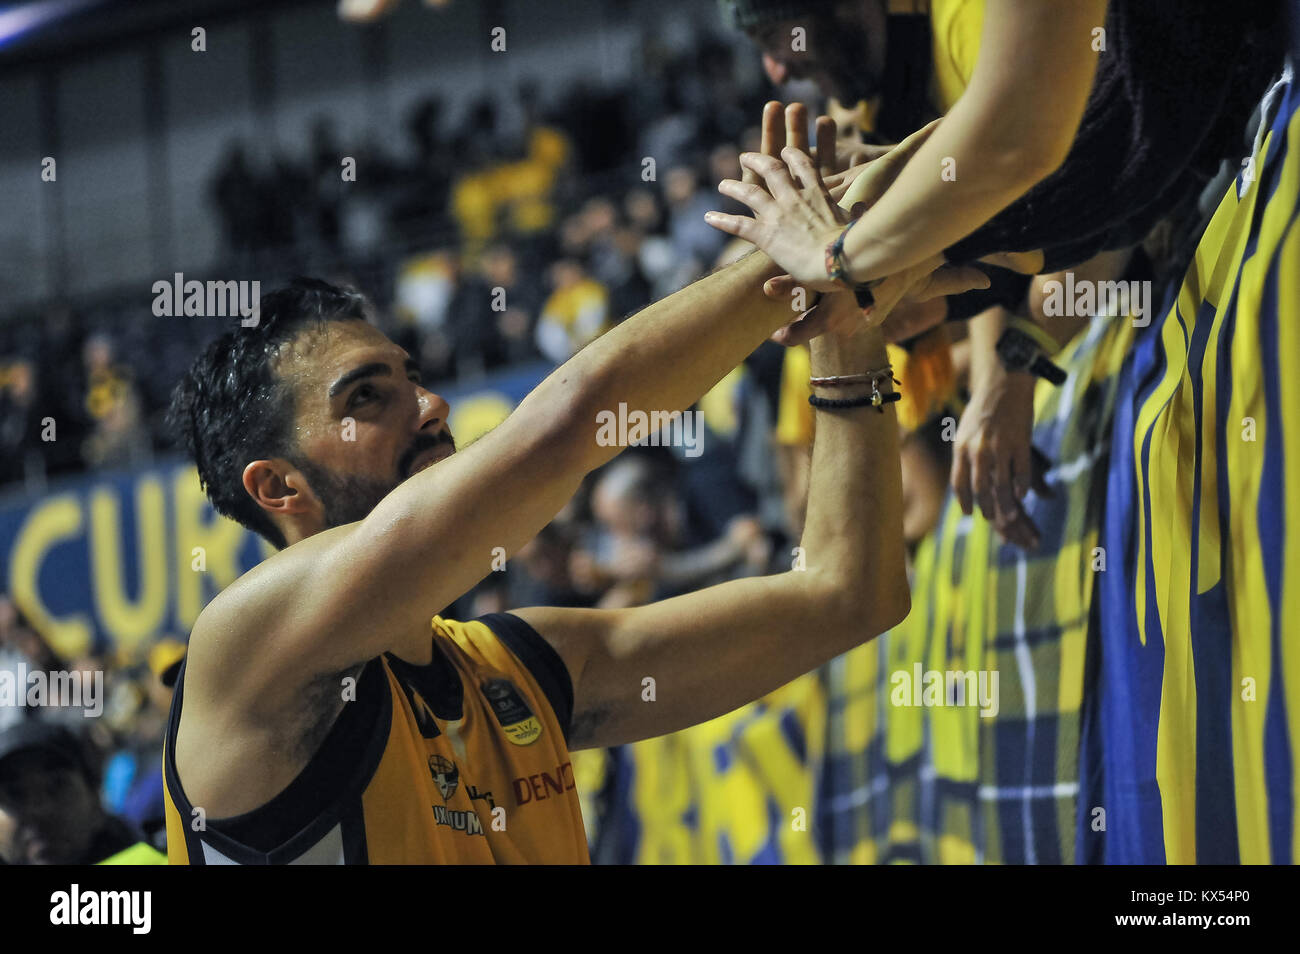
x,y
326,714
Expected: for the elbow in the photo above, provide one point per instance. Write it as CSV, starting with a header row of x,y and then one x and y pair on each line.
x,y
1027,162
864,611
896,605
1047,156
885,606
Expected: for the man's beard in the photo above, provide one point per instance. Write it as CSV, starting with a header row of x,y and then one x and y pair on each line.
x,y
347,498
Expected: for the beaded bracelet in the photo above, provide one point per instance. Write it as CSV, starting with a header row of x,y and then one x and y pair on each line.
x,y
875,399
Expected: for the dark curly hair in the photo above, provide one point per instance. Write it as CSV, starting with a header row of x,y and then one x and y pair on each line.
x,y
232,407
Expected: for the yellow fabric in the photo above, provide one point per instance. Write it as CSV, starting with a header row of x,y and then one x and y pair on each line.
x,y
106,393
927,383
566,304
505,792
794,417
520,189
1250,242
719,405
735,789
140,853
955,26
926,377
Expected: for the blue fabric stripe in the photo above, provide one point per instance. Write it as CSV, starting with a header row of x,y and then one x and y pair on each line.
x,y
1121,779
1209,623
1272,518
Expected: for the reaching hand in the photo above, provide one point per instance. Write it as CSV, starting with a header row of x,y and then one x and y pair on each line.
x,y
912,288
797,215
793,221
788,125
994,463
837,314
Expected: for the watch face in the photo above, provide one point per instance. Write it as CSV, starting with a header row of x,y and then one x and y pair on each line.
x,y
1017,349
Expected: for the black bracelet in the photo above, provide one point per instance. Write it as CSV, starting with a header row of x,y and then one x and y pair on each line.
x,y
876,399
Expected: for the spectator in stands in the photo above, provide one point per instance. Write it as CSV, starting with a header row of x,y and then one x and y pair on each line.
x,y
520,301
137,764
631,553
234,191
49,812
687,203
20,417
576,313
22,646
118,436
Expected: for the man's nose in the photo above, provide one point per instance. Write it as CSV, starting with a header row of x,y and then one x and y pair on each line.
x,y
434,411
776,70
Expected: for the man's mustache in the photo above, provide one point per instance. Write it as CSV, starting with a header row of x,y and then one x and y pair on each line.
x,y
422,443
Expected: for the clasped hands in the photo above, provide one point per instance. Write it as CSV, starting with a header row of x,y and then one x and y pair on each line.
x,y
802,199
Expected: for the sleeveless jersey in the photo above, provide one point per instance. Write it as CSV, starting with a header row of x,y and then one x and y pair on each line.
x,y
461,761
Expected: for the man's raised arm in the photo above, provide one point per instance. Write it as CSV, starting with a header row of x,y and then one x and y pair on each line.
x,y
712,651
347,594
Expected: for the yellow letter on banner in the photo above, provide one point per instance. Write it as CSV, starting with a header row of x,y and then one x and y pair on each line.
x,y
129,623
219,537
52,520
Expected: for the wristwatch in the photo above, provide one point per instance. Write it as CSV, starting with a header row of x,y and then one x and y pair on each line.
x,y
1024,348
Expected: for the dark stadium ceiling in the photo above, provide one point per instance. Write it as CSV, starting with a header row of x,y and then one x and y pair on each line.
x,y
39,31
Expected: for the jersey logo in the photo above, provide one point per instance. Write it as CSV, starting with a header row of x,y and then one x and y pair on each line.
x,y
468,822
520,725
445,775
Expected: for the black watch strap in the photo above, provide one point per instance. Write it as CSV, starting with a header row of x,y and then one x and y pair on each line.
x,y
1047,370
1019,351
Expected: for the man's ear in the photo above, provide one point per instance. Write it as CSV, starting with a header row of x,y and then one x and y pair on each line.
x,y
278,487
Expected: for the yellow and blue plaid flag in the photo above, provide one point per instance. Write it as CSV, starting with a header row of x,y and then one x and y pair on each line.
x,y
943,783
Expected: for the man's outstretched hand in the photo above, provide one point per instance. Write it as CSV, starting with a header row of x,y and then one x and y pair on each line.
x,y
803,198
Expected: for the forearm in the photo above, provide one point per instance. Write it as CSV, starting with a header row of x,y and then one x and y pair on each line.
x,y
665,357
985,329
435,534
853,533
1013,126
711,651
1064,323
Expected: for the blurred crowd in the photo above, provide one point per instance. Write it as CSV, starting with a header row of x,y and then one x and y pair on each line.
x,y
485,244
520,231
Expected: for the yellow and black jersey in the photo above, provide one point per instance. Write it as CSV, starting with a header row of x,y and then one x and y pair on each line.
x,y
462,761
